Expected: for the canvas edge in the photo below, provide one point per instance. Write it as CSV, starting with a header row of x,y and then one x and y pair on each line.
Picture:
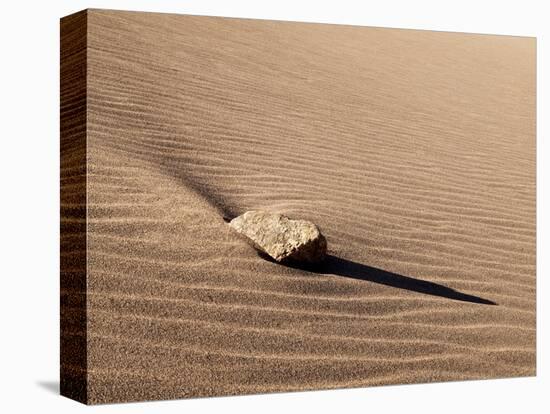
x,y
73,207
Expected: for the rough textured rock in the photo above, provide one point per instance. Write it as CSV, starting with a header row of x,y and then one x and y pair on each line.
x,y
282,238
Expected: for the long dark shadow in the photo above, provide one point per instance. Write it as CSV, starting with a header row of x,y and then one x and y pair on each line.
x,y
347,268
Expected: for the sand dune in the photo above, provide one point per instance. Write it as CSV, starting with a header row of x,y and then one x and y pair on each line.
x,y
414,152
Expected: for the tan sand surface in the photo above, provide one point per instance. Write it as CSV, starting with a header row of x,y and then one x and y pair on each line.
x,y
414,152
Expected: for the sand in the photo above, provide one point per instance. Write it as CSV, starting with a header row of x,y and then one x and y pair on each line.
x,y
413,151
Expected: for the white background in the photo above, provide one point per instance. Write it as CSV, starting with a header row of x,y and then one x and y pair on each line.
x,y
29,204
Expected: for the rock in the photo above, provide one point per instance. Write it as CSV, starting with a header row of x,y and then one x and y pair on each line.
x,y
282,238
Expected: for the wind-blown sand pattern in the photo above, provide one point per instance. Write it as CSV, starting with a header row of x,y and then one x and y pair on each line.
x,y
414,152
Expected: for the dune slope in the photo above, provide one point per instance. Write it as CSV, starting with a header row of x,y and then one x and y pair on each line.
x,y
414,152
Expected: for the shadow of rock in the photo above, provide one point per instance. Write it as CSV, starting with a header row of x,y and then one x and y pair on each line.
x,y
347,268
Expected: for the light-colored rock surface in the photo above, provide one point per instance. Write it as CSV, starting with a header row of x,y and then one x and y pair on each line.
x,y
282,238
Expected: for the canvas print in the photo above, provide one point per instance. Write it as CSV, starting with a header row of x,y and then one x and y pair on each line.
x,y
253,206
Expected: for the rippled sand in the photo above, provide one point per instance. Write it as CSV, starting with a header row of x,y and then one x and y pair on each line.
x,y
414,151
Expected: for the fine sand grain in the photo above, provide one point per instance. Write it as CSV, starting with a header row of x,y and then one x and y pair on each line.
x,y
414,152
